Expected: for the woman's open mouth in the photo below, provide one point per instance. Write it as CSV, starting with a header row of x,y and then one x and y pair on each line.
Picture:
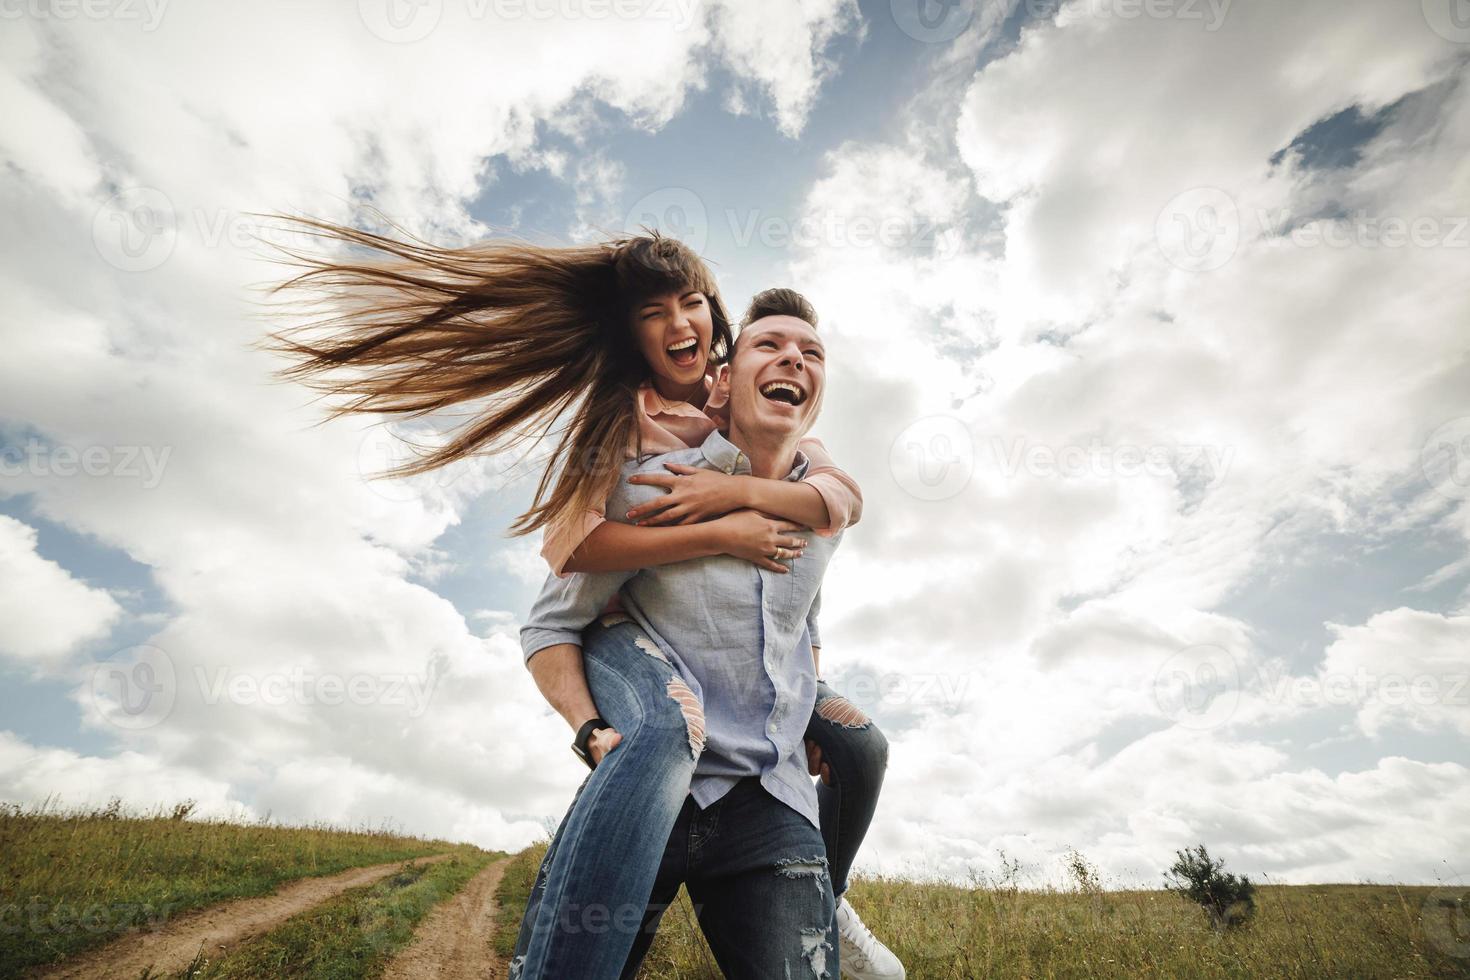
x,y
783,391
685,353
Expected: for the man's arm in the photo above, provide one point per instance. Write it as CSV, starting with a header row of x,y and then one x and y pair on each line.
x,y
551,641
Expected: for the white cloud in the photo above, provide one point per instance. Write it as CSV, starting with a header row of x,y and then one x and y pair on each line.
x,y
132,153
45,613
1284,393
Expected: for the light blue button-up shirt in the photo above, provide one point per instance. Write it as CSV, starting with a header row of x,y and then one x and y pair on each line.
x,y
737,633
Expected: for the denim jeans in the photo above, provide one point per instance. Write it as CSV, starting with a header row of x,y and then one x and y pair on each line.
x,y
586,908
757,878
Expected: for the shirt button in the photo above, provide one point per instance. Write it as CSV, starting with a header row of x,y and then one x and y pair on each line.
x,y
771,728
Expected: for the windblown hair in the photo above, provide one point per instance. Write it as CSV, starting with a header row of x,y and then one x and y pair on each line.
x,y
779,301
540,333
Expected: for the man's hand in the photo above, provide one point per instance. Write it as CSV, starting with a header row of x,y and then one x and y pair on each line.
x,y
603,741
693,495
814,764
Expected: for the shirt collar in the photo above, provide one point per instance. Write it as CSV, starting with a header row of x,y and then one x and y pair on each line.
x,y
726,457
655,404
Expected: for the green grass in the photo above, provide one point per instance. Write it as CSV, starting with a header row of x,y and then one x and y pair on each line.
x,y
947,931
72,880
352,935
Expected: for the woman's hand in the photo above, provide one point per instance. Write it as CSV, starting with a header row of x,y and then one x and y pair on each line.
x,y
756,537
693,495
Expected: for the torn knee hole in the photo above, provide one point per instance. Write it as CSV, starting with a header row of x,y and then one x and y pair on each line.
x,y
814,868
649,647
840,711
692,710
814,947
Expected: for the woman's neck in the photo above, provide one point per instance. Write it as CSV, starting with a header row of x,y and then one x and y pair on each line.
x,y
695,394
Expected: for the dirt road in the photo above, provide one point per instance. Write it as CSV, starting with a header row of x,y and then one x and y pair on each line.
x,y
174,946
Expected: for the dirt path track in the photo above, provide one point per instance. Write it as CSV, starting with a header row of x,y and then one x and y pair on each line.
x,y
453,941
173,947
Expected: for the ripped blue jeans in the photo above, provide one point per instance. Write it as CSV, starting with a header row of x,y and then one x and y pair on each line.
x,y
586,912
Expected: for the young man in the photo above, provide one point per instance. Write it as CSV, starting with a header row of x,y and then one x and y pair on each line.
x,y
719,656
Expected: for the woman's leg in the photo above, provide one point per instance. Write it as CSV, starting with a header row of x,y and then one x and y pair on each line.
x,y
858,754
590,894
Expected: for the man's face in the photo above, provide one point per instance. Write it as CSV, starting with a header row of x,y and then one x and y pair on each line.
x,y
776,377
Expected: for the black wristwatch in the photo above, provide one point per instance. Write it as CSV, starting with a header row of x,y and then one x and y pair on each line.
x,y
579,744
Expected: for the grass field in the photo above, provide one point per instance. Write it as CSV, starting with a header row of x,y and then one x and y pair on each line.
x,y
72,880
946,931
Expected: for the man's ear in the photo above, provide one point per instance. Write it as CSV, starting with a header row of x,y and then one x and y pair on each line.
x,y
722,382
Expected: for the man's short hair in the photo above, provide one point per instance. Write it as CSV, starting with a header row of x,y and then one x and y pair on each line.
x,y
779,301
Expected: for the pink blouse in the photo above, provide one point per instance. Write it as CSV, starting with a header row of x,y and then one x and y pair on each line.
x,y
669,425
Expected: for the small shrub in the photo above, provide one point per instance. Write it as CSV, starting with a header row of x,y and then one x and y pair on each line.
x,y
1228,900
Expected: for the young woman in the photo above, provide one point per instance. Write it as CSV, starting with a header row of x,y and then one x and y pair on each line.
x,y
611,346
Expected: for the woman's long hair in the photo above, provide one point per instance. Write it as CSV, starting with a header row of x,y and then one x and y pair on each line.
x,y
539,333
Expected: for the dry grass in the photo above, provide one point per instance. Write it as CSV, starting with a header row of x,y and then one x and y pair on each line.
x,y
942,930
72,880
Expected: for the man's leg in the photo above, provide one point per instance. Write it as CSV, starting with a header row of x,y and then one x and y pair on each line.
x,y
584,915
759,881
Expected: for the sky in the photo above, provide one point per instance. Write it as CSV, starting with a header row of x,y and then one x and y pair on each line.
x,y
1148,341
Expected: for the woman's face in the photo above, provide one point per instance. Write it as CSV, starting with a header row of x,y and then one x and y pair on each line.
x,y
674,332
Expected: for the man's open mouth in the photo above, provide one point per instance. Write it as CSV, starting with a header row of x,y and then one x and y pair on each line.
x,y
783,391
685,352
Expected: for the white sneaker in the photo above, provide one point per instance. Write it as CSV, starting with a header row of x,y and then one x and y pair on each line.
x,y
863,956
